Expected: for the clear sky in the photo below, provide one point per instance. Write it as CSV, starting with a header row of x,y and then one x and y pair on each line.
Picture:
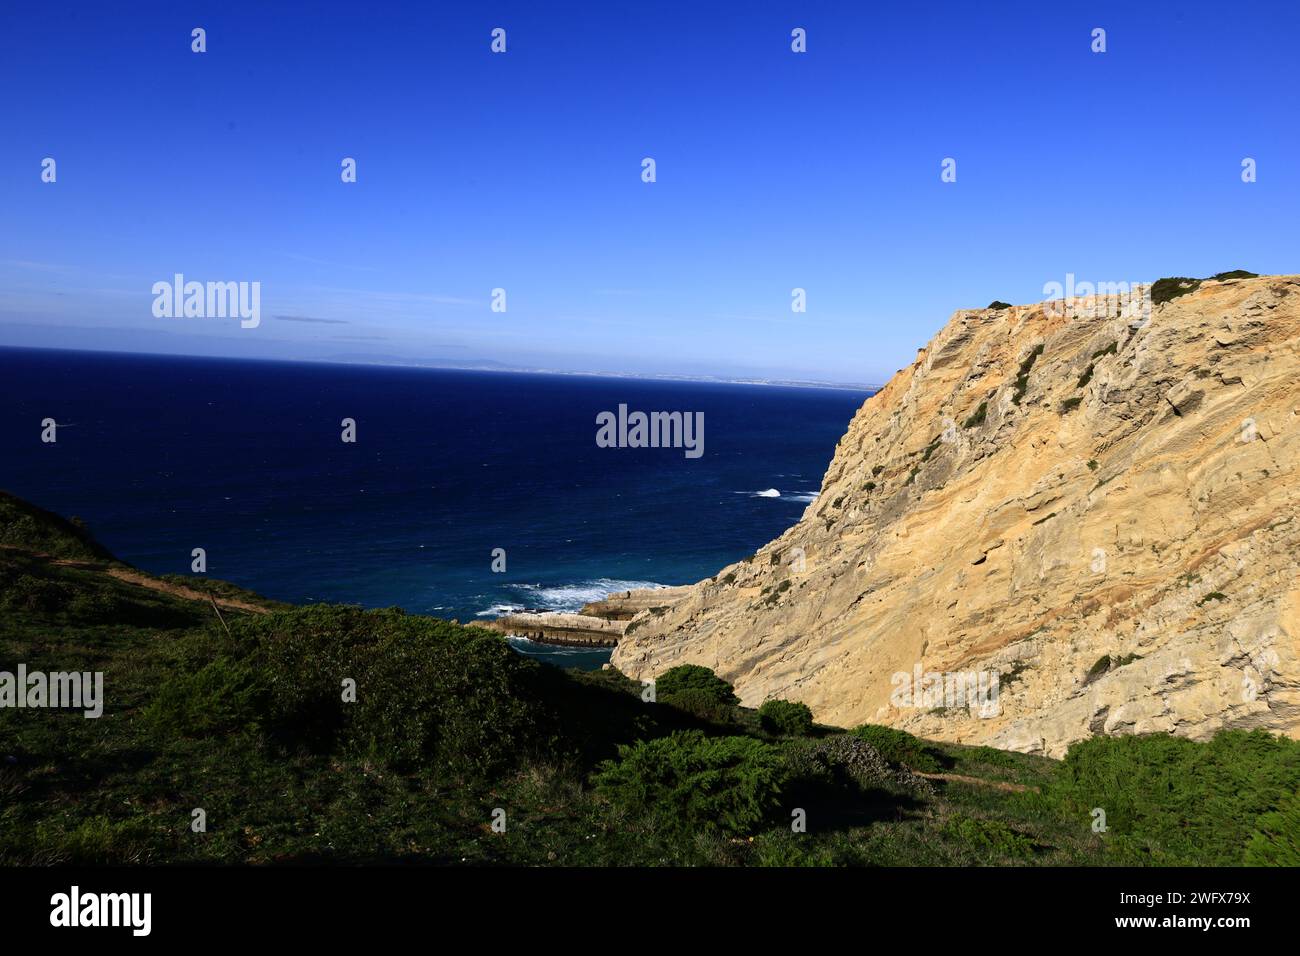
x,y
522,171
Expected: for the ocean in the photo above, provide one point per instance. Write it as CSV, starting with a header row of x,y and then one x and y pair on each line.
x,y
160,455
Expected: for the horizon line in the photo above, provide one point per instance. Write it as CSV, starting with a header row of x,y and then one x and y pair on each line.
x,y
756,381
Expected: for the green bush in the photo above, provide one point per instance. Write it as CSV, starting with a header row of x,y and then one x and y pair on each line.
x,y
689,783
698,703
221,697
1173,801
1235,274
429,694
999,305
988,835
694,677
427,690
785,717
978,416
901,748
1162,290
1276,841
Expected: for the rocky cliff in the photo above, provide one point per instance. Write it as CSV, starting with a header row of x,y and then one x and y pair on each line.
x,y
1096,505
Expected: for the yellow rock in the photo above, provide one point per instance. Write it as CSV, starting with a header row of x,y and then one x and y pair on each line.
x,y
1128,563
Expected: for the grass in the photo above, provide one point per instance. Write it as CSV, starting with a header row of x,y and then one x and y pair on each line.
x,y
450,724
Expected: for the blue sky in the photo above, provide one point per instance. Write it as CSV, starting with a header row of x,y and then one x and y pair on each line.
x,y
523,171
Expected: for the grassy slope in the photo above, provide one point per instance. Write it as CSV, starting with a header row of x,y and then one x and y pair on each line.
x,y
121,788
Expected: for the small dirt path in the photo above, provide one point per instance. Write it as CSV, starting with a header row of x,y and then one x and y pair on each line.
x,y
141,580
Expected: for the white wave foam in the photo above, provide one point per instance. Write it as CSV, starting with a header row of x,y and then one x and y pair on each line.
x,y
803,497
769,493
564,597
496,610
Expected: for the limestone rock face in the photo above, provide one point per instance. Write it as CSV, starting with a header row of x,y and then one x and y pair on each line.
x,y
1102,509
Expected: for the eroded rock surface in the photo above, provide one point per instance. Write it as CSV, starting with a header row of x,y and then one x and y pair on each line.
x,y
1111,525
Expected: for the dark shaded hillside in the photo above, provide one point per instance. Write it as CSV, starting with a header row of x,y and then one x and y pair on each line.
x,y
25,526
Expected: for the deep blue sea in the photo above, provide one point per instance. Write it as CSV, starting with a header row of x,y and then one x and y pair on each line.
x,y
160,455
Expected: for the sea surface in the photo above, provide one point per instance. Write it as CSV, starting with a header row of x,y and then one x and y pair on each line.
x,y
161,455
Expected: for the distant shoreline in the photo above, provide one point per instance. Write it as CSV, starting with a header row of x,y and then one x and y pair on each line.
x,y
485,369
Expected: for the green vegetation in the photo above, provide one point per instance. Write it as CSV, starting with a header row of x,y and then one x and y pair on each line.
x,y
1085,378
875,471
688,783
693,677
25,526
1276,841
1235,274
1108,350
990,835
786,718
901,748
869,486
1173,801
1163,290
1212,596
999,305
977,417
1070,404
1092,464
1022,375
254,720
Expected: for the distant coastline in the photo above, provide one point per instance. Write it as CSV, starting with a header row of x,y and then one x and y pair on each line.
x,y
493,367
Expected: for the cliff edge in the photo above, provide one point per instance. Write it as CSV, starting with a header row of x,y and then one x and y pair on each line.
x,y
1093,501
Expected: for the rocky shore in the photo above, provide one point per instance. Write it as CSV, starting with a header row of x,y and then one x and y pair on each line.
x,y
598,624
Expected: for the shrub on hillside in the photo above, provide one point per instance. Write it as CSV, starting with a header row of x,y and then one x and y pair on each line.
x,y
698,703
689,783
1276,841
224,695
901,748
785,717
428,693
693,677
1175,801
1162,290
992,836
